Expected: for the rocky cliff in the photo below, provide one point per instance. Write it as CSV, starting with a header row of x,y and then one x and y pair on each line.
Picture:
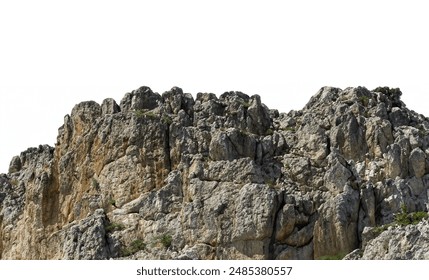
x,y
173,177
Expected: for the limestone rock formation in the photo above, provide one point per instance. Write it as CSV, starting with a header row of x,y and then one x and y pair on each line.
x,y
167,176
396,243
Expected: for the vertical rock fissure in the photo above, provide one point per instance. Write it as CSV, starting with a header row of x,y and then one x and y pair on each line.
x,y
237,153
328,145
251,182
167,147
271,255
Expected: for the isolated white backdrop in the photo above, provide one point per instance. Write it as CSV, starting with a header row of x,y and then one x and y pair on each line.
x,y
54,54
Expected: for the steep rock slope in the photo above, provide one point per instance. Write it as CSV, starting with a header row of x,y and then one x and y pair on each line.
x,y
170,177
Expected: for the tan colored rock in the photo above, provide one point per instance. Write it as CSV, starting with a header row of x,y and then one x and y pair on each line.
x,y
170,177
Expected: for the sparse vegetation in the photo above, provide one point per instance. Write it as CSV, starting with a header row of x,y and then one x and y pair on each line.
x,y
290,128
338,256
166,240
95,184
150,115
167,119
139,113
364,100
144,113
135,246
418,216
112,227
404,218
378,230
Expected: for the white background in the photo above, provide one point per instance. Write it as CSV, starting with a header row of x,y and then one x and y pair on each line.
x,y
54,54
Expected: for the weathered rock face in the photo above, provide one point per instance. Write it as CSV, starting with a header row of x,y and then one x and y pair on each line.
x,y
170,177
396,243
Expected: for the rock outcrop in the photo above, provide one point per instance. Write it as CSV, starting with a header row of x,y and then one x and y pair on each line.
x,y
395,243
173,177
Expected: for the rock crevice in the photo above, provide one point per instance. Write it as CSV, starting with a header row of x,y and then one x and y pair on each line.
x,y
167,176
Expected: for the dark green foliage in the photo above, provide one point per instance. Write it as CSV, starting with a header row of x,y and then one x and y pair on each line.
x,y
144,113
135,246
139,113
403,219
416,217
166,119
166,240
95,184
114,227
364,100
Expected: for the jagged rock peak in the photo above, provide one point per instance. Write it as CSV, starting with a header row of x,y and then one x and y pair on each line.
x,y
167,176
330,95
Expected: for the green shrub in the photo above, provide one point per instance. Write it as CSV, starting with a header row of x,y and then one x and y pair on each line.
x,y
134,247
338,256
111,227
404,218
291,129
138,244
416,217
150,115
139,113
166,240
364,100
166,119
378,230
95,183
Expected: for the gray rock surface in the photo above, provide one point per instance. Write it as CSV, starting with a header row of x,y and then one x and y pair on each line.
x,y
167,176
396,243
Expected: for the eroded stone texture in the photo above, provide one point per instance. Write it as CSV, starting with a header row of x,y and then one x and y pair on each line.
x,y
167,176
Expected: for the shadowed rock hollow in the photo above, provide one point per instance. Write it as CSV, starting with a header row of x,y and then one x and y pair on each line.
x,y
173,177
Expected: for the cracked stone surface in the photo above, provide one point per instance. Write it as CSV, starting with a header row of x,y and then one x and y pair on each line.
x,y
167,176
